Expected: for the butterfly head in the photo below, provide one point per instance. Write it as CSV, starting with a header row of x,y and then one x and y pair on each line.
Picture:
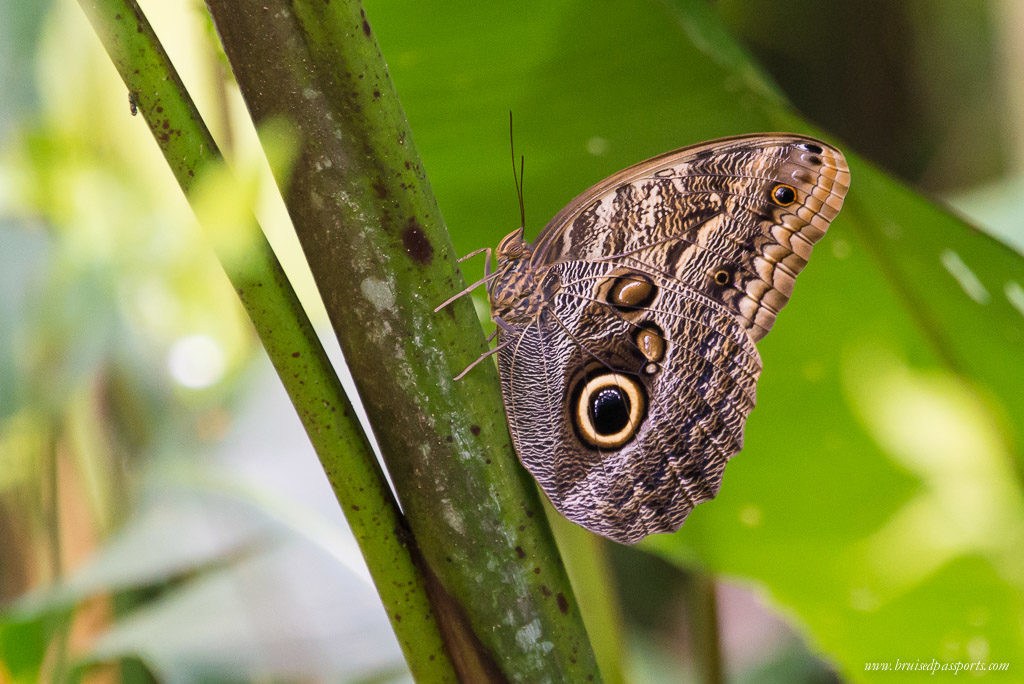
x,y
515,293
512,247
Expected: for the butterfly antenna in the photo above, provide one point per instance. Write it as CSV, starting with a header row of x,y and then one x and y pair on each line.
x,y
517,178
522,207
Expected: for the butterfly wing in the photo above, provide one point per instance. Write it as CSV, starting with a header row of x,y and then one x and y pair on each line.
x,y
629,391
754,205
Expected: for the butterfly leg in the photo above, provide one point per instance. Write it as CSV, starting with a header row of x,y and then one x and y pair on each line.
x,y
489,352
486,250
483,281
502,327
487,260
505,327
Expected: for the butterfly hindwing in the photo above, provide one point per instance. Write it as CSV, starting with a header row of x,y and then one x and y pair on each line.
x,y
686,369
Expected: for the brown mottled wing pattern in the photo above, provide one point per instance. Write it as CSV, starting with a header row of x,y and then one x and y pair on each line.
x,y
658,282
689,210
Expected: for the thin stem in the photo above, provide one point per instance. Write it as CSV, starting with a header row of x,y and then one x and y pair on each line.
x,y
703,613
288,338
372,233
51,498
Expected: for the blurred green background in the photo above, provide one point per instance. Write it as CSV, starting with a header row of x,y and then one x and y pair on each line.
x,y
161,512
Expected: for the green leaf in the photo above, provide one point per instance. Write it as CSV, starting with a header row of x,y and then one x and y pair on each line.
x,y
23,644
876,498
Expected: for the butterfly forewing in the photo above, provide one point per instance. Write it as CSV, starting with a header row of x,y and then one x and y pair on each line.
x,y
751,207
629,367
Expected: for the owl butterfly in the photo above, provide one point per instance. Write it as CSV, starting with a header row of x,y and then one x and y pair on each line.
x,y
626,331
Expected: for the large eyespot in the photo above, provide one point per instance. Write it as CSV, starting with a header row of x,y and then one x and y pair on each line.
x,y
721,277
631,291
783,194
609,409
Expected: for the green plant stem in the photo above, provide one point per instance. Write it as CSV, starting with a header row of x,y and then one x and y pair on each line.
x,y
586,559
378,249
61,622
288,338
703,611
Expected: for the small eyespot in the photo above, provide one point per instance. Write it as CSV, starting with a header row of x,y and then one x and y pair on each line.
x,y
651,342
609,410
631,291
722,277
810,147
783,194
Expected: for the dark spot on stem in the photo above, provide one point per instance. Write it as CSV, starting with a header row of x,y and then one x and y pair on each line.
x,y
563,605
520,552
366,27
416,243
403,535
475,429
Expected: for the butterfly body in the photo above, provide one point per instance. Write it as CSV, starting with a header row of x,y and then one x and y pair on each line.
x,y
627,330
